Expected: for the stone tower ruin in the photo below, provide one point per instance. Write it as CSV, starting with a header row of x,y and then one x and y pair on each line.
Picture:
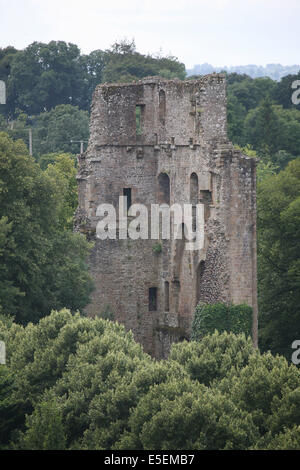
x,y
165,141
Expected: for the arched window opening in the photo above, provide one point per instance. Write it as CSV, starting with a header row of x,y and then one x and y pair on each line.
x,y
163,189
194,189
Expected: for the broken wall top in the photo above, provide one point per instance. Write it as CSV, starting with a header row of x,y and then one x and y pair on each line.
x,y
170,110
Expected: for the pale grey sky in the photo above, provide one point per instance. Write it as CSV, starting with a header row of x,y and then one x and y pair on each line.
x,y
221,32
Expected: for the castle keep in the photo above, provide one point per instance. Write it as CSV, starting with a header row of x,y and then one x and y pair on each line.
x,y
165,141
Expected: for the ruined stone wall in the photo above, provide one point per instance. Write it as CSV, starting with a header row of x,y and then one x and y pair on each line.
x,y
182,133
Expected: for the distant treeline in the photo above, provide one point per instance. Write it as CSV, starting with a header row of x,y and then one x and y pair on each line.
x,y
274,71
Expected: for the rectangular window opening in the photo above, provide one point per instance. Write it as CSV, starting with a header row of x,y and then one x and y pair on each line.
x,y
139,111
167,296
127,193
152,299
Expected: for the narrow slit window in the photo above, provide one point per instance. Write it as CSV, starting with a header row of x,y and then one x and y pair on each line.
x,y
194,189
162,107
167,296
200,274
139,110
152,299
127,193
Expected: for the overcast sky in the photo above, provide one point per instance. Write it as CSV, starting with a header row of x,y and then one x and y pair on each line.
x,y
221,32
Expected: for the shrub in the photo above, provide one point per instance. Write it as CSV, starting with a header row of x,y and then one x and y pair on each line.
x,y
221,317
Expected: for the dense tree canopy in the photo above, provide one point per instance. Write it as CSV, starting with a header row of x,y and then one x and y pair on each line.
x,y
261,114
279,259
221,317
126,64
270,128
85,384
6,56
43,76
54,130
42,265
281,94
59,130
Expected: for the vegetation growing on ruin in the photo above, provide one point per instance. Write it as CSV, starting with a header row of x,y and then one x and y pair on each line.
x,y
221,317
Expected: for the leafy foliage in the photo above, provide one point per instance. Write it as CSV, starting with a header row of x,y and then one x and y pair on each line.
x,y
85,384
211,358
12,411
44,76
271,128
221,317
279,252
45,429
261,114
54,130
62,167
126,65
43,266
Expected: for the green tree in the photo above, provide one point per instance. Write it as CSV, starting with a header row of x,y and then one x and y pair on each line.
x,y
55,129
270,128
17,128
278,259
125,64
12,412
186,415
93,66
62,167
43,76
236,114
8,291
262,129
86,384
39,260
6,56
267,388
110,413
243,95
250,92
211,359
264,170
45,429
87,358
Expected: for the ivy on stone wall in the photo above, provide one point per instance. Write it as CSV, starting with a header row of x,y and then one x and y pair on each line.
x,y
221,317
